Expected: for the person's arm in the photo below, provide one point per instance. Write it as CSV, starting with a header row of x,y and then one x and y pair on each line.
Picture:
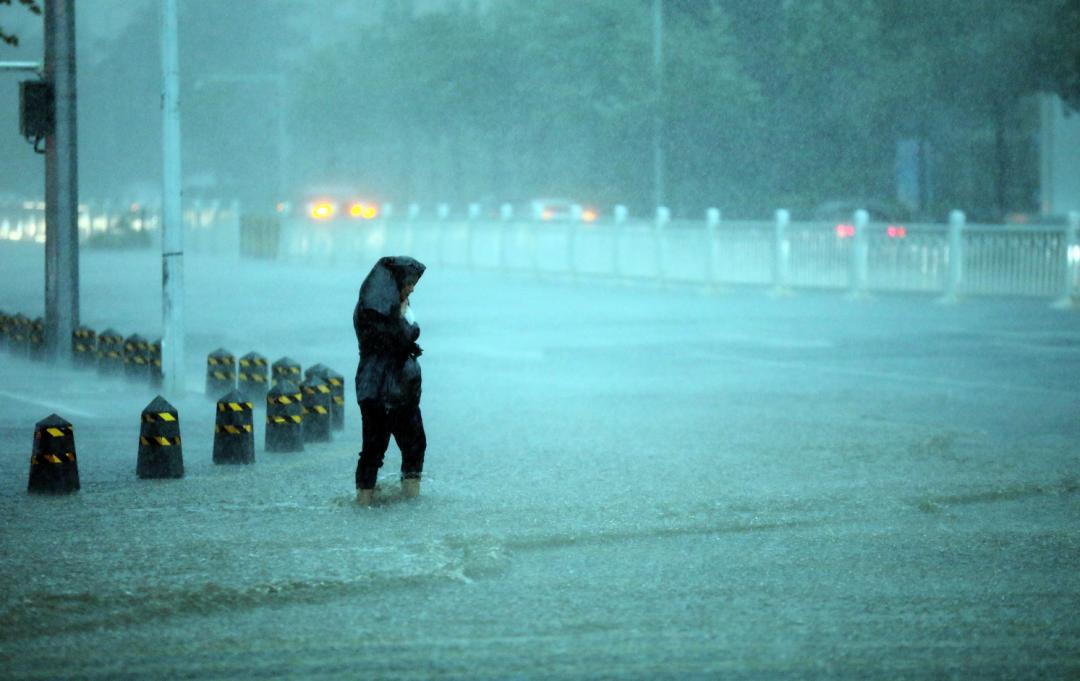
x,y
393,334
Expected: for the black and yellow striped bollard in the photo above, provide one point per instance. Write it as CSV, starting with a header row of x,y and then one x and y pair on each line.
x,y
136,357
234,437
285,369
252,377
315,370
53,466
110,352
84,346
37,339
161,454
284,418
157,377
337,399
315,401
19,335
220,373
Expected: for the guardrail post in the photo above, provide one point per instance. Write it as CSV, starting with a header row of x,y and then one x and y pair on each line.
x,y
412,211
956,257
1070,262
474,215
506,214
616,240
572,229
443,213
712,222
860,251
781,251
663,217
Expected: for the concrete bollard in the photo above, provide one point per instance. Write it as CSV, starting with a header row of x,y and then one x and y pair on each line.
x,y
315,401
157,377
318,370
161,454
37,339
234,437
136,358
84,347
252,379
110,352
53,466
284,418
337,399
220,373
285,369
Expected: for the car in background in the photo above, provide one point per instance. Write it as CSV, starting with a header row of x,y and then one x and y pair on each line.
x,y
334,204
560,210
842,212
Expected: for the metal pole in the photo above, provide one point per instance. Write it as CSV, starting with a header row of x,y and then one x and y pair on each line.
x,y
658,117
61,183
172,228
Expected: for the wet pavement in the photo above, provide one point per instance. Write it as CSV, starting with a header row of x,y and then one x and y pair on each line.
x,y
621,481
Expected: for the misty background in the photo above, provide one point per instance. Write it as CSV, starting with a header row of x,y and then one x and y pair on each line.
x,y
925,105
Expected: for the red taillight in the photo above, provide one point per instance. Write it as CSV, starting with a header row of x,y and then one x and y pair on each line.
x,y
845,231
896,232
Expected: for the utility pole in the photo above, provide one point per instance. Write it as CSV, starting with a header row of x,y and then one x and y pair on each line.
x,y
172,228
658,116
61,183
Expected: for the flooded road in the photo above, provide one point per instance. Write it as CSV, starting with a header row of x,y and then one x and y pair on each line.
x,y
620,482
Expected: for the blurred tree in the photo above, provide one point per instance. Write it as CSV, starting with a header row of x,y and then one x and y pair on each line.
x,y
1059,61
541,98
766,103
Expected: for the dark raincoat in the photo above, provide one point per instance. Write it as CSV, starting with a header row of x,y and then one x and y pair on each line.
x,y
388,372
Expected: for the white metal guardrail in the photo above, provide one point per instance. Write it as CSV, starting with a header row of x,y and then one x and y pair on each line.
x,y
950,260
1022,260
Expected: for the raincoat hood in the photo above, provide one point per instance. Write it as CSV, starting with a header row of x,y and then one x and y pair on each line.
x,y
381,290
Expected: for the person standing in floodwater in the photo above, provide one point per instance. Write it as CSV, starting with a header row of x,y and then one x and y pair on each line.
x,y
388,376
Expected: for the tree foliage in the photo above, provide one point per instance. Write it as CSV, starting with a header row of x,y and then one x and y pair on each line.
x,y
776,101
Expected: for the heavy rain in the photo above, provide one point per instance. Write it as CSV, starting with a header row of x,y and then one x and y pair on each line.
x,y
748,333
